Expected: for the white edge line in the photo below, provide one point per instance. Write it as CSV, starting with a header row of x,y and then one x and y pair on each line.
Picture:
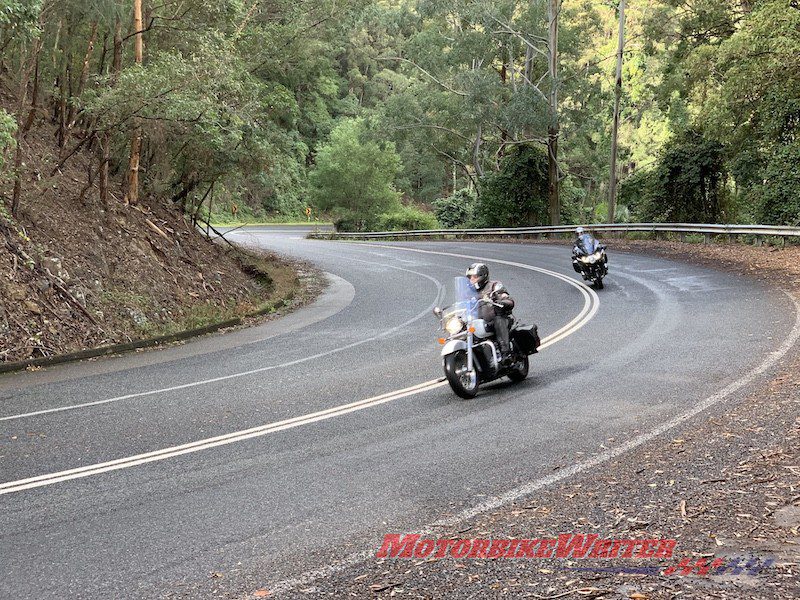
x,y
439,291
527,489
164,453
587,313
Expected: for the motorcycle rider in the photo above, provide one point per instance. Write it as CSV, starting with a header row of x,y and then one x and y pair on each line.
x,y
494,293
583,241
584,244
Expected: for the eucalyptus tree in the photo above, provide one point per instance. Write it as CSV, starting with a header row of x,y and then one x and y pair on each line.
x,y
476,81
20,27
734,68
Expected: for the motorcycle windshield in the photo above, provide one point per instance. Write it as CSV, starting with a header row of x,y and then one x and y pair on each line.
x,y
462,297
588,244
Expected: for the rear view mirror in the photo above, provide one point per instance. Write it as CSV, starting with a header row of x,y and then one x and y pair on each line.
x,y
437,311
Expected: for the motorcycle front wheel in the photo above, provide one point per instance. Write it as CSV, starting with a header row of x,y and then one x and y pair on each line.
x,y
463,381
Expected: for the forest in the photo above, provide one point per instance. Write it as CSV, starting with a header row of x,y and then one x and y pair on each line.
x,y
412,113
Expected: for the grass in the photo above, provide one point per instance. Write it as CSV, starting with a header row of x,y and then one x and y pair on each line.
x,y
277,280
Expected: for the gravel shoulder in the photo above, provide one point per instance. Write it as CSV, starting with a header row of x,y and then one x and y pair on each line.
x,y
725,486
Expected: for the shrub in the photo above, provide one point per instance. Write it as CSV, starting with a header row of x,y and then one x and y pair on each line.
x,y
8,126
353,176
407,218
780,194
457,210
517,194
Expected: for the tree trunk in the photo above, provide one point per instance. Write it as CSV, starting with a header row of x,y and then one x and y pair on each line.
x,y
117,61
62,105
553,9
23,89
476,152
35,92
612,182
132,195
102,62
105,158
105,140
138,42
552,175
84,75
26,63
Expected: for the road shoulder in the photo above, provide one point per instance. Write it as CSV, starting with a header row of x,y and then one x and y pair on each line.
x,y
725,487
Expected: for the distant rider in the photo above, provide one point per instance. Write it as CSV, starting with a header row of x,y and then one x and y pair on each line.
x,y
585,244
496,309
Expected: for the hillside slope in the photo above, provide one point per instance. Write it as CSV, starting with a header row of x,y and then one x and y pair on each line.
x,y
75,274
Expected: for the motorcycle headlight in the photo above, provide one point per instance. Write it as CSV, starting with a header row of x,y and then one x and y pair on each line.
x,y
586,259
592,258
454,325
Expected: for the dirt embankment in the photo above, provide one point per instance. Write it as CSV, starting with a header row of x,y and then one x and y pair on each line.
x,y
75,274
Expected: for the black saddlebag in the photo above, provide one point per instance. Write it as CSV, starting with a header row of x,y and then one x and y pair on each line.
x,y
526,338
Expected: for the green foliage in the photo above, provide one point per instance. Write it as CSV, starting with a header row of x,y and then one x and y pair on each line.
x,y
779,201
686,185
457,210
637,193
353,176
18,20
212,121
516,195
8,127
733,70
424,97
407,218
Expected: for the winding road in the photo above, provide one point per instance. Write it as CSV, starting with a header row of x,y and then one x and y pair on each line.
x,y
262,457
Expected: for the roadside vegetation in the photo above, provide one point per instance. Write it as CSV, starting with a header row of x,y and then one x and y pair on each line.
x,y
123,122
373,114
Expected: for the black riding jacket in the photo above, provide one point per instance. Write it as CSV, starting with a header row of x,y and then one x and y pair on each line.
x,y
497,292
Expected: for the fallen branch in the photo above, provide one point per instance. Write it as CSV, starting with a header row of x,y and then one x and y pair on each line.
x,y
155,228
64,292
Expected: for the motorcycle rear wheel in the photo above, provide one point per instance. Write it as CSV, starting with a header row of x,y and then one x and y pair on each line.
x,y
519,370
464,383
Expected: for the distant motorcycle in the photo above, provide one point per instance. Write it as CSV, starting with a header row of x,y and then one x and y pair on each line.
x,y
470,353
590,260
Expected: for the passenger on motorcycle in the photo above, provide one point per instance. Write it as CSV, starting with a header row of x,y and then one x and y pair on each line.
x,y
496,306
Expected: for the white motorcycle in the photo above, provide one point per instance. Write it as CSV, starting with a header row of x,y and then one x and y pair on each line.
x,y
470,352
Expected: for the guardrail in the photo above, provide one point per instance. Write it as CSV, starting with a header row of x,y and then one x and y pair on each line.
x,y
706,230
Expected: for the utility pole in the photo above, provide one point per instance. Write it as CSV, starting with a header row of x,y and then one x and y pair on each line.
x,y
612,186
553,8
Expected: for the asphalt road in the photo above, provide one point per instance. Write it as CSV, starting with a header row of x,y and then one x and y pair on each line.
x,y
241,513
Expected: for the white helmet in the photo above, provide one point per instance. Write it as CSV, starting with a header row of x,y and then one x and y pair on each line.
x,y
579,231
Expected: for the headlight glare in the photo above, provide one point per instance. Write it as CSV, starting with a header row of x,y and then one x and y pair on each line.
x,y
454,325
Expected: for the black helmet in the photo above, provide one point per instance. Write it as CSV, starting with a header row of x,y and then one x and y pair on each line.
x,y
482,272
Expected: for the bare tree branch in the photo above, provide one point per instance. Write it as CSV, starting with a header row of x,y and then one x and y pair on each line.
x,y
507,29
441,83
463,166
438,127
